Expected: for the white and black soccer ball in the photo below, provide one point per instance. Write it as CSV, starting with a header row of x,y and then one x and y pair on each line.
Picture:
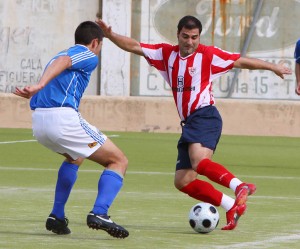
x,y
204,217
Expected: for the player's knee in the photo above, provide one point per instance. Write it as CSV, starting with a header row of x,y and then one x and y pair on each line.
x,y
77,161
178,183
183,178
124,162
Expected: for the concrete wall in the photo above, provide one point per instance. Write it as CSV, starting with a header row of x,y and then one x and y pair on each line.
x,y
32,32
226,24
158,114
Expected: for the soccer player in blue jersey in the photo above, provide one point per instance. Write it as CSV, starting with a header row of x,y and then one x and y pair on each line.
x,y
58,125
297,66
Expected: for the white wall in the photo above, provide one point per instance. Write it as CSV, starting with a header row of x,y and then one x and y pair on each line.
x,y
32,31
225,25
115,63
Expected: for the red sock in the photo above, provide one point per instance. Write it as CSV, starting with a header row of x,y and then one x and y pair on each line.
x,y
215,172
203,191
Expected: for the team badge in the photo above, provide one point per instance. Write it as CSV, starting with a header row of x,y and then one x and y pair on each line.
x,y
192,70
93,144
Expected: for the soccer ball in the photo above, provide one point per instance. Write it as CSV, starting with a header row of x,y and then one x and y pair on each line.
x,y
204,217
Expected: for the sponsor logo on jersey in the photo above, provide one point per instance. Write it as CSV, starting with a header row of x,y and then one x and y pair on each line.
x,y
180,86
180,81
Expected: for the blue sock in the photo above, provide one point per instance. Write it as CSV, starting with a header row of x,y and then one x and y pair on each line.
x,y
109,186
66,178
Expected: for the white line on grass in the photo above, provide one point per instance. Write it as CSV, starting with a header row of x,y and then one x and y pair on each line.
x,y
115,135
29,190
142,172
29,141
267,243
19,141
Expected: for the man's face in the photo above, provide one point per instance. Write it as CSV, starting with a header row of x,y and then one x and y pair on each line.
x,y
98,47
188,41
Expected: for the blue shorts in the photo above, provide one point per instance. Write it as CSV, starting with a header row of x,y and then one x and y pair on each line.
x,y
204,126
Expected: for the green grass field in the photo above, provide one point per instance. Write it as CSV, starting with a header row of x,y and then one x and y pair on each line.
x,y
153,211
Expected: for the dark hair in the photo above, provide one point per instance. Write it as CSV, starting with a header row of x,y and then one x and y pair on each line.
x,y
189,22
86,32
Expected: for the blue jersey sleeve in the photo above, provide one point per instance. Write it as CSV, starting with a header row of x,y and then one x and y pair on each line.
x,y
85,60
297,52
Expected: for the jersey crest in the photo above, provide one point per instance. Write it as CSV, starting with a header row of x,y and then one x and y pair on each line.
x,y
192,71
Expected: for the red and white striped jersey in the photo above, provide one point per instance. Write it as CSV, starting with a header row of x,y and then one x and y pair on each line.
x,y
190,78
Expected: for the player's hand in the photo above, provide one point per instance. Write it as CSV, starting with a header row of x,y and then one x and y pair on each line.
x,y
107,31
28,91
280,70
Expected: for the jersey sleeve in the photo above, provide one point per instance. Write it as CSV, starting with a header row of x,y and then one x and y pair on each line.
x,y
154,54
222,61
83,60
297,52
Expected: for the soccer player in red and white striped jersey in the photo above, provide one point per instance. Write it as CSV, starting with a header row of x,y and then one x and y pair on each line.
x,y
190,68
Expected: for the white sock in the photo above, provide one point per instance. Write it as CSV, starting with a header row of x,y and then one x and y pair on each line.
x,y
234,183
227,202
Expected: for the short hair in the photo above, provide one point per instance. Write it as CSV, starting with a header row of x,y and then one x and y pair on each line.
x,y
189,22
86,32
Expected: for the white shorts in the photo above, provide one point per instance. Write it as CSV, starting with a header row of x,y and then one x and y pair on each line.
x,y
63,130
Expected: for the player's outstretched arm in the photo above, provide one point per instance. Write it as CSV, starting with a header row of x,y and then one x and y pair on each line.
x,y
297,72
126,43
253,64
54,69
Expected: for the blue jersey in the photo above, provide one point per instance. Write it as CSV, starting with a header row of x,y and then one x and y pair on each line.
x,y
67,88
297,52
